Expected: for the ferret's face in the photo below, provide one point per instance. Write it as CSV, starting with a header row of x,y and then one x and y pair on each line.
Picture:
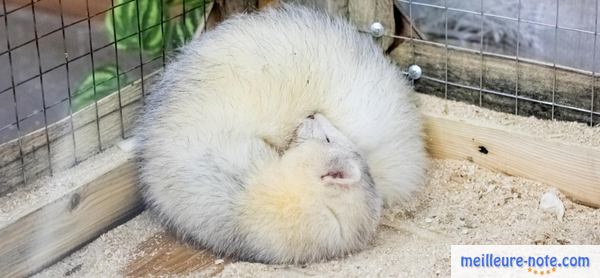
x,y
319,198
328,154
317,127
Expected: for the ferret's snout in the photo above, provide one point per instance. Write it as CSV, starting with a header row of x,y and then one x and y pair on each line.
x,y
344,175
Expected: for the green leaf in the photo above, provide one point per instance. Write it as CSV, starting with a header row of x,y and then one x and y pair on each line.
x,y
188,3
106,82
133,31
183,29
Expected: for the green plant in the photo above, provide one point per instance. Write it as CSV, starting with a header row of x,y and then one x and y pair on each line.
x,y
106,83
145,26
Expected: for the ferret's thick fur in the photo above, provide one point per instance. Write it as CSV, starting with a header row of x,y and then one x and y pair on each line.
x,y
229,158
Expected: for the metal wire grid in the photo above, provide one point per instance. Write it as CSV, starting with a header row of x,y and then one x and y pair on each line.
x,y
519,20
70,60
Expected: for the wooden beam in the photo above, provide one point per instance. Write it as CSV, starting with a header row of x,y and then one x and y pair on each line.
x,y
168,256
267,3
573,169
228,8
364,13
499,74
51,232
405,27
334,7
70,144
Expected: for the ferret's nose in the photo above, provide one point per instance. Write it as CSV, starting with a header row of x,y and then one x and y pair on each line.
x,y
348,173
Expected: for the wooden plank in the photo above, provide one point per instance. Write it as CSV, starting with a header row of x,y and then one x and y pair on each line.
x,y
228,8
406,28
168,256
62,152
573,169
334,7
499,73
364,13
267,3
51,232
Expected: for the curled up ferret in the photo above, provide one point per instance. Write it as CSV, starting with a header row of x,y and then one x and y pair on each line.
x,y
278,137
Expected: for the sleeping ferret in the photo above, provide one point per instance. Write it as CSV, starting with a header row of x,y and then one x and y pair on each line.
x,y
276,137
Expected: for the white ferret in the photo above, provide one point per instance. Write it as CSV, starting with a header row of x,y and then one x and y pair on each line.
x,y
230,160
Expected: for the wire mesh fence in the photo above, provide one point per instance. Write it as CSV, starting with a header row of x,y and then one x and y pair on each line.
x,y
62,57
62,60
556,34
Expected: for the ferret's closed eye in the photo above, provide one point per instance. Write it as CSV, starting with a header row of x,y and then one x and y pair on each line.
x,y
327,139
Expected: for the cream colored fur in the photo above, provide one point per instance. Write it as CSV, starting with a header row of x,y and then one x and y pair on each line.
x,y
216,160
297,213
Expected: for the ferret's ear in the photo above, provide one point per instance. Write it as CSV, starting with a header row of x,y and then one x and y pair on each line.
x,y
343,173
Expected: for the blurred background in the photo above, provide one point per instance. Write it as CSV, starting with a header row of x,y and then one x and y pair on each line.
x,y
76,39
570,25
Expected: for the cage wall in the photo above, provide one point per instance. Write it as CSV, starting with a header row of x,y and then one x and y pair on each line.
x,y
76,71
531,58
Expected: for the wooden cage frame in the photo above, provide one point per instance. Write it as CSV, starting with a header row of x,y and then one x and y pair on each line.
x,y
92,208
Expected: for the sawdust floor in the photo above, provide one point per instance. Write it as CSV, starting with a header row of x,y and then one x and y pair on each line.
x,y
462,203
